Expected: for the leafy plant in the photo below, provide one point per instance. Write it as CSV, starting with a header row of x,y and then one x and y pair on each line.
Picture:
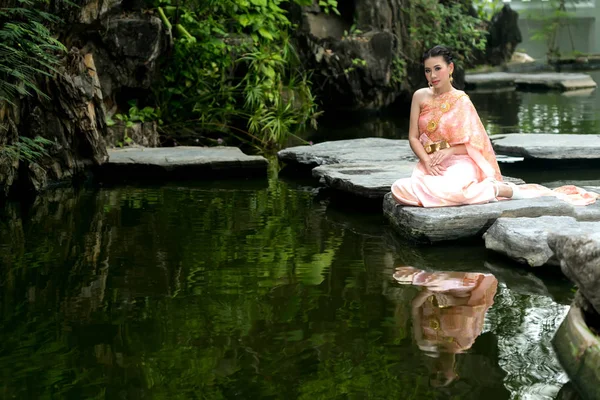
x,y
233,70
26,149
28,49
431,23
551,23
486,9
134,115
329,6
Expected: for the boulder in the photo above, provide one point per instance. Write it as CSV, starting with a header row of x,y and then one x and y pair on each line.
x,y
578,350
471,221
579,256
526,239
547,146
503,36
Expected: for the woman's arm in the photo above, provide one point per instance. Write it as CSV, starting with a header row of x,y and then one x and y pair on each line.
x,y
413,135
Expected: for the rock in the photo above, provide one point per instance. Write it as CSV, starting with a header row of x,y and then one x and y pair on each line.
x,y
579,257
525,239
366,180
544,80
471,221
181,161
578,350
548,146
503,36
353,53
371,180
143,134
130,48
73,119
520,58
366,150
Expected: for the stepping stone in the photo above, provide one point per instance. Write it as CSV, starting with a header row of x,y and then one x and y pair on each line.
x,y
526,239
544,146
177,161
369,180
579,256
367,150
471,221
546,80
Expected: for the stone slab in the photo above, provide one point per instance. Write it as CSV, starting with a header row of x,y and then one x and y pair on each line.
x,y
471,221
526,239
578,350
170,160
359,151
546,80
544,146
579,256
370,180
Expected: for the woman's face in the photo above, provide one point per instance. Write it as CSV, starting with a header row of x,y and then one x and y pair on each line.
x,y
438,72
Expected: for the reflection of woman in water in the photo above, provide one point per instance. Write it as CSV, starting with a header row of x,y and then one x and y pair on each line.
x,y
448,314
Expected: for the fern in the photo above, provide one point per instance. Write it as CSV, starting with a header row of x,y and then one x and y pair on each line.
x,y
28,50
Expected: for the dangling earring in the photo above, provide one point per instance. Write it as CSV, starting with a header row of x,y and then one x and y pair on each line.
x,y
430,85
451,78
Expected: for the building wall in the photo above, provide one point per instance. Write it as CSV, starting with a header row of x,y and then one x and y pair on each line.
x,y
581,35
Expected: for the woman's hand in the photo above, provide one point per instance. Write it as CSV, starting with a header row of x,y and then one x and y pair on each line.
x,y
439,156
436,170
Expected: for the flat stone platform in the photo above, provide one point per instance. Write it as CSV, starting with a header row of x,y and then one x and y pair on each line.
x,y
545,146
372,180
189,161
471,221
545,80
354,151
525,240
363,167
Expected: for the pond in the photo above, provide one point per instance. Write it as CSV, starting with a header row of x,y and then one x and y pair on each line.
x,y
267,289
254,290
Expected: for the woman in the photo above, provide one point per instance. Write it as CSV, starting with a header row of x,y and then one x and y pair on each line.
x,y
457,162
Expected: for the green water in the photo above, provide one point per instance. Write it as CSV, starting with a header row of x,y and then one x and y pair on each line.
x,y
245,290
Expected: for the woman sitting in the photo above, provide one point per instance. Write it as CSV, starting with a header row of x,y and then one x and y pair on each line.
x,y
457,162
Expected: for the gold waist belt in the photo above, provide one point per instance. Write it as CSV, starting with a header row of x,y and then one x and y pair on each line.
x,y
435,146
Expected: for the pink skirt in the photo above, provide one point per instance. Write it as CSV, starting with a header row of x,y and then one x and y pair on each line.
x,y
459,184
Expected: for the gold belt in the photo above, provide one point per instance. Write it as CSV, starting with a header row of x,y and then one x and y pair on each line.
x,y
435,146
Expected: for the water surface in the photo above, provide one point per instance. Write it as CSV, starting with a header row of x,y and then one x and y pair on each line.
x,y
250,290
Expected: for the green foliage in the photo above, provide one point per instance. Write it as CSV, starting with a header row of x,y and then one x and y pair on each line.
x,y
26,149
486,9
398,70
551,22
234,70
27,49
329,6
432,23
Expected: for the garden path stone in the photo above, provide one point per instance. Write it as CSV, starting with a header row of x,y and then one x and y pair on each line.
x,y
200,162
548,146
526,239
547,80
366,150
471,221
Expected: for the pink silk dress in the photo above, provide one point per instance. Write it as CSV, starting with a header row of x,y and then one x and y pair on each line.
x,y
468,178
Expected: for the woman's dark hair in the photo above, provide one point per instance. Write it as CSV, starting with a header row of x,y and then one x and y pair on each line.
x,y
437,51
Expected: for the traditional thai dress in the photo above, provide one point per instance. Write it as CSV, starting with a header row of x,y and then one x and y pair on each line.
x,y
468,178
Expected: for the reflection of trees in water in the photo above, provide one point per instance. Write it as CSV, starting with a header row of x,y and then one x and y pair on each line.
x,y
538,112
525,324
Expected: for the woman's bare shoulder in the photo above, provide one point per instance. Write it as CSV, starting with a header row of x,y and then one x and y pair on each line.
x,y
421,95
